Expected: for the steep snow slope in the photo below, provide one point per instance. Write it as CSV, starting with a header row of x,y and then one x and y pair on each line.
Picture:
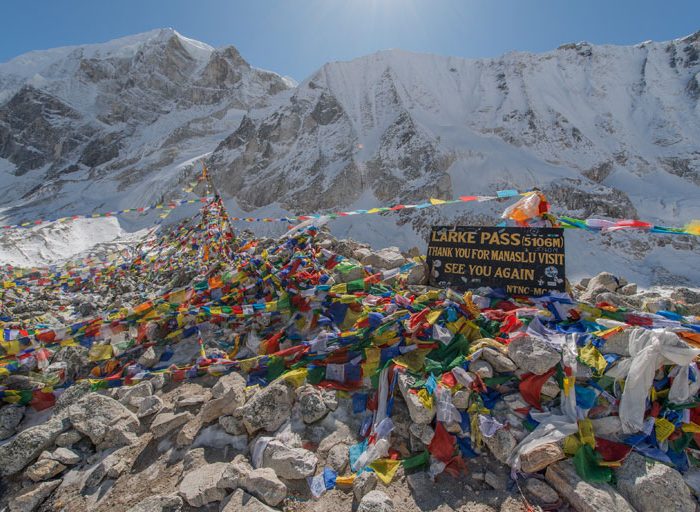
x,y
602,129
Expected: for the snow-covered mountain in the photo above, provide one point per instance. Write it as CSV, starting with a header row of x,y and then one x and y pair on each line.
x,y
605,130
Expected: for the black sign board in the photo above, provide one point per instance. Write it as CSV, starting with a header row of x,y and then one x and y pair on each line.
x,y
521,261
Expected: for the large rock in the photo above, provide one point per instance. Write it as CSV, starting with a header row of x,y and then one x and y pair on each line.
x,y
264,484
385,259
231,386
604,280
419,413
233,425
501,445
269,408
540,457
312,404
26,446
533,354
71,396
105,421
10,416
200,486
34,496
149,358
376,501
68,439
651,486
188,433
132,396
158,504
584,496
289,463
241,501
166,422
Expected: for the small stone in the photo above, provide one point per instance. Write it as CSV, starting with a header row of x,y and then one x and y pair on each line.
x,y
188,433
498,482
34,496
628,289
501,445
199,486
533,354
419,413
313,406
500,362
584,496
131,395
461,399
65,456
149,406
550,388
338,457
193,459
376,501
148,359
542,492
423,432
540,457
68,439
44,469
651,486
191,401
166,422
482,368
231,386
385,259
158,504
363,484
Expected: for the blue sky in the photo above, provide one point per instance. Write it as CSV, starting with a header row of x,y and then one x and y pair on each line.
x,y
295,37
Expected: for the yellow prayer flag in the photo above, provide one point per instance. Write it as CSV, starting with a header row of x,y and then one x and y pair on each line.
x,y
100,352
385,469
664,429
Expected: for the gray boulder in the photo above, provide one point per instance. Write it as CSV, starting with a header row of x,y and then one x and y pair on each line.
x,y
10,417
376,501
264,484
533,354
650,486
363,484
44,469
385,259
105,421
26,446
200,486
289,463
33,496
166,422
269,408
501,445
312,404
241,501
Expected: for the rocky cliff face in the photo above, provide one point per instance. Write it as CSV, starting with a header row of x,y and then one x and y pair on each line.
x,y
603,130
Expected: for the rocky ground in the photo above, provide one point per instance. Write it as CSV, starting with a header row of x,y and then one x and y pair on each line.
x,y
214,443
